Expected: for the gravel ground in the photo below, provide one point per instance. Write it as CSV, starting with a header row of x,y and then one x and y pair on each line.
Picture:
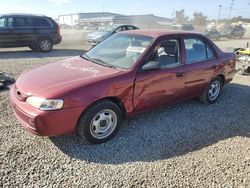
x,y
185,145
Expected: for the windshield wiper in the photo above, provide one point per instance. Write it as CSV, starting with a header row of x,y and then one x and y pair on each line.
x,y
97,61
101,62
85,56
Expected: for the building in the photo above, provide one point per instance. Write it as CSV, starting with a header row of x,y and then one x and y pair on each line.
x,y
144,21
102,19
95,18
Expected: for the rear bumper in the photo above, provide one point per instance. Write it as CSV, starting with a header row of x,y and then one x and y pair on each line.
x,y
44,123
230,77
57,39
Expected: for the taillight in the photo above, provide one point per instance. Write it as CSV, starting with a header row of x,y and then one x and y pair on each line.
x,y
58,29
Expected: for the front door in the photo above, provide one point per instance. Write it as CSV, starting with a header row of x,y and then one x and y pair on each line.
x,y
7,36
154,88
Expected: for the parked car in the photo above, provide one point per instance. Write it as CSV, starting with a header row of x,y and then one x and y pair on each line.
x,y
34,31
98,36
128,73
213,34
187,27
234,32
243,59
65,26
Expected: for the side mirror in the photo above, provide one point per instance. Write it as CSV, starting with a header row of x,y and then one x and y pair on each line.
x,y
151,65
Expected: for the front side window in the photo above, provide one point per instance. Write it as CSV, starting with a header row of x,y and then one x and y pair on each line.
x,y
195,50
119,50
130,28
9,22
168,53
123,28
19,22
2,22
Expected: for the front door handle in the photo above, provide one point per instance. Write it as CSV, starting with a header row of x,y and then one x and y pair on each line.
x,y
179,74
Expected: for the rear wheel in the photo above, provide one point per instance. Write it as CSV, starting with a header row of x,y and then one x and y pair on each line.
x,y
44,45
212,92
241,71
100,122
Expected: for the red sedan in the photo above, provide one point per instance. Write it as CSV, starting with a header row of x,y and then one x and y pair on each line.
x,y
129,72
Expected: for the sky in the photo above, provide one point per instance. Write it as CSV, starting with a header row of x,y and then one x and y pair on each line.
x,y
164,8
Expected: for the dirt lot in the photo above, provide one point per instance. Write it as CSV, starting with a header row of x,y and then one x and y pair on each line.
x,y
185,145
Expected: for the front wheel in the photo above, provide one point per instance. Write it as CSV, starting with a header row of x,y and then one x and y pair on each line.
x,y
33,47
100,122
212,92
45,45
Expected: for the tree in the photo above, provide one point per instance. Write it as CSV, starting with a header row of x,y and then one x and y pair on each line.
x,y
199,19
180,17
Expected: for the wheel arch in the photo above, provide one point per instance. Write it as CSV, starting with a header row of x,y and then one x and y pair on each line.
x,y
115,100
222,77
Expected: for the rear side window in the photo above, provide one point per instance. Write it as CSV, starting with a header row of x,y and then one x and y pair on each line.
x,y
2,22
210,52
38,22
195,50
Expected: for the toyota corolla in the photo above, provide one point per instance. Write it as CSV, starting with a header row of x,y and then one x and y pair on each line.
x,y
129,72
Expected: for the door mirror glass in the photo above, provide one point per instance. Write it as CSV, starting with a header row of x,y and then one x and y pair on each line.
x,y
151,65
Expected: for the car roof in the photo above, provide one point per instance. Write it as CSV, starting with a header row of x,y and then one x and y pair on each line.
x,y
26,15
155,33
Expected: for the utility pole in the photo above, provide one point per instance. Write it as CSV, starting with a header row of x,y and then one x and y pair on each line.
x,y
173,15
218,21
230,9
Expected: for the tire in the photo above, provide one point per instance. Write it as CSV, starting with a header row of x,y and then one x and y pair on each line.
x,y
212,92
45,44
241,71
100,122
248,69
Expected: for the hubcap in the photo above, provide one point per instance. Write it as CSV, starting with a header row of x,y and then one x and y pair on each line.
x,y
214,90
103,124
45,45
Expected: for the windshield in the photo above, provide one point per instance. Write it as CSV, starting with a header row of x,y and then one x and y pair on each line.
x,y
119,51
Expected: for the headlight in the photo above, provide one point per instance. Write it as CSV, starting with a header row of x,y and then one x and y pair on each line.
x,y
45,104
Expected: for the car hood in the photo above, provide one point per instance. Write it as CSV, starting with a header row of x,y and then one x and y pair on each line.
x,y
54,79
98,34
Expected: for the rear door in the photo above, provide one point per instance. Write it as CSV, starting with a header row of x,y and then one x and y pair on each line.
x,y
200,65
7,35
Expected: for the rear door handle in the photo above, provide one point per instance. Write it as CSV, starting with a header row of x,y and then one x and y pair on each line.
x,y
179,74
212,67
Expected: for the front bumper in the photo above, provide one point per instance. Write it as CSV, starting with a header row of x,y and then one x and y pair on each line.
x,y
93,42
44,123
